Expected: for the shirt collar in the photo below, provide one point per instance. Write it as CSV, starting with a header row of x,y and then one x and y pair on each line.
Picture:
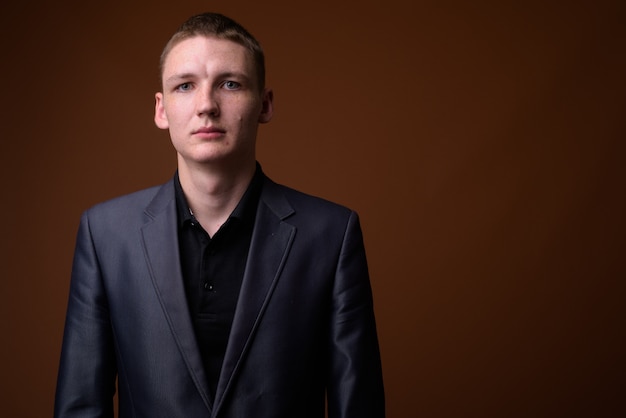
x,y
244,211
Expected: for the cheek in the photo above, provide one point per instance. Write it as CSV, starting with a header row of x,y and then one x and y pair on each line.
x,y
250,115
180,107
178,117
243,116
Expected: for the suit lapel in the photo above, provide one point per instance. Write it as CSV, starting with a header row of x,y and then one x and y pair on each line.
x,y
160,240
269,247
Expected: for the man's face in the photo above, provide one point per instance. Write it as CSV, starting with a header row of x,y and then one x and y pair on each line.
x,y
211,102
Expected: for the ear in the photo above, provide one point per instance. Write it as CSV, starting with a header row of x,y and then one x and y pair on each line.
x,y
267,103
160,118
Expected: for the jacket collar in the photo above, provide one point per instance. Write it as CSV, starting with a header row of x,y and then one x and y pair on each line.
x,y
272,238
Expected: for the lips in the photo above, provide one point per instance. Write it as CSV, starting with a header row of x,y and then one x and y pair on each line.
x,y
209,132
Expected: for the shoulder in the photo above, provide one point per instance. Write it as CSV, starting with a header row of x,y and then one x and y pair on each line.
x,y
130,208
301,201
136,200
322,225
302,208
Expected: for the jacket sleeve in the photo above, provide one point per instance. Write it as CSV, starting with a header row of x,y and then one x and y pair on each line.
x,y
87,370
355,386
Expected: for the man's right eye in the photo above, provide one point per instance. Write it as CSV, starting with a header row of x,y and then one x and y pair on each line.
x,y
184,87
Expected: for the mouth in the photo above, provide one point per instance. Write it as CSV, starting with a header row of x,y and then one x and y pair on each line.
x,y
209,132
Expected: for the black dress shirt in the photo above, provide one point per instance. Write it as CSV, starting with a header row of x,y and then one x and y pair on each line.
x,y
213,269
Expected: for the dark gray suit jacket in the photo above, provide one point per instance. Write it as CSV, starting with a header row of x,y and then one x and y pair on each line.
x,y
304,322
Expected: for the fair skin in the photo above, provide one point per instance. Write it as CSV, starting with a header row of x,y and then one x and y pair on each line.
x,y
211,104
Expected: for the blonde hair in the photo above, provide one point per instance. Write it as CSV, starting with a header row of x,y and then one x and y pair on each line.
x,y
221,27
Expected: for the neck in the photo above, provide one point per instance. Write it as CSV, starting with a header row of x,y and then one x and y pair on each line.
x,y
213,194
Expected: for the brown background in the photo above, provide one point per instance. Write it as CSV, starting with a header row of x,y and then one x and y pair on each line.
x,y
482,144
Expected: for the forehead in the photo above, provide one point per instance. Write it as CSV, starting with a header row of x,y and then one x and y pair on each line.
x,y
207,53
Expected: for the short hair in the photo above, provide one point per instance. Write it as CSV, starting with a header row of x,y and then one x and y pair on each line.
x,y
221,27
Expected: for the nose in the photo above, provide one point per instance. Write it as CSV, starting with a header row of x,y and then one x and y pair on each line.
x,y
207,103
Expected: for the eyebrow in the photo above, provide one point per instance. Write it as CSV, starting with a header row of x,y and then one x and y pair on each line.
x,y
189,75
178,77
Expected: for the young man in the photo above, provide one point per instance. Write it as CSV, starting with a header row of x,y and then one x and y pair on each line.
x,y
220,293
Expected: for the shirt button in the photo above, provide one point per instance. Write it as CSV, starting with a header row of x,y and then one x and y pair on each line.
x,y
208,286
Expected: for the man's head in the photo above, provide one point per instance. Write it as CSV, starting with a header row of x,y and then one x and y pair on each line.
x,y
221,27
213,98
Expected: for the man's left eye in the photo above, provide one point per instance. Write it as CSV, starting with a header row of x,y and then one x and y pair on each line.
x,y
231,85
